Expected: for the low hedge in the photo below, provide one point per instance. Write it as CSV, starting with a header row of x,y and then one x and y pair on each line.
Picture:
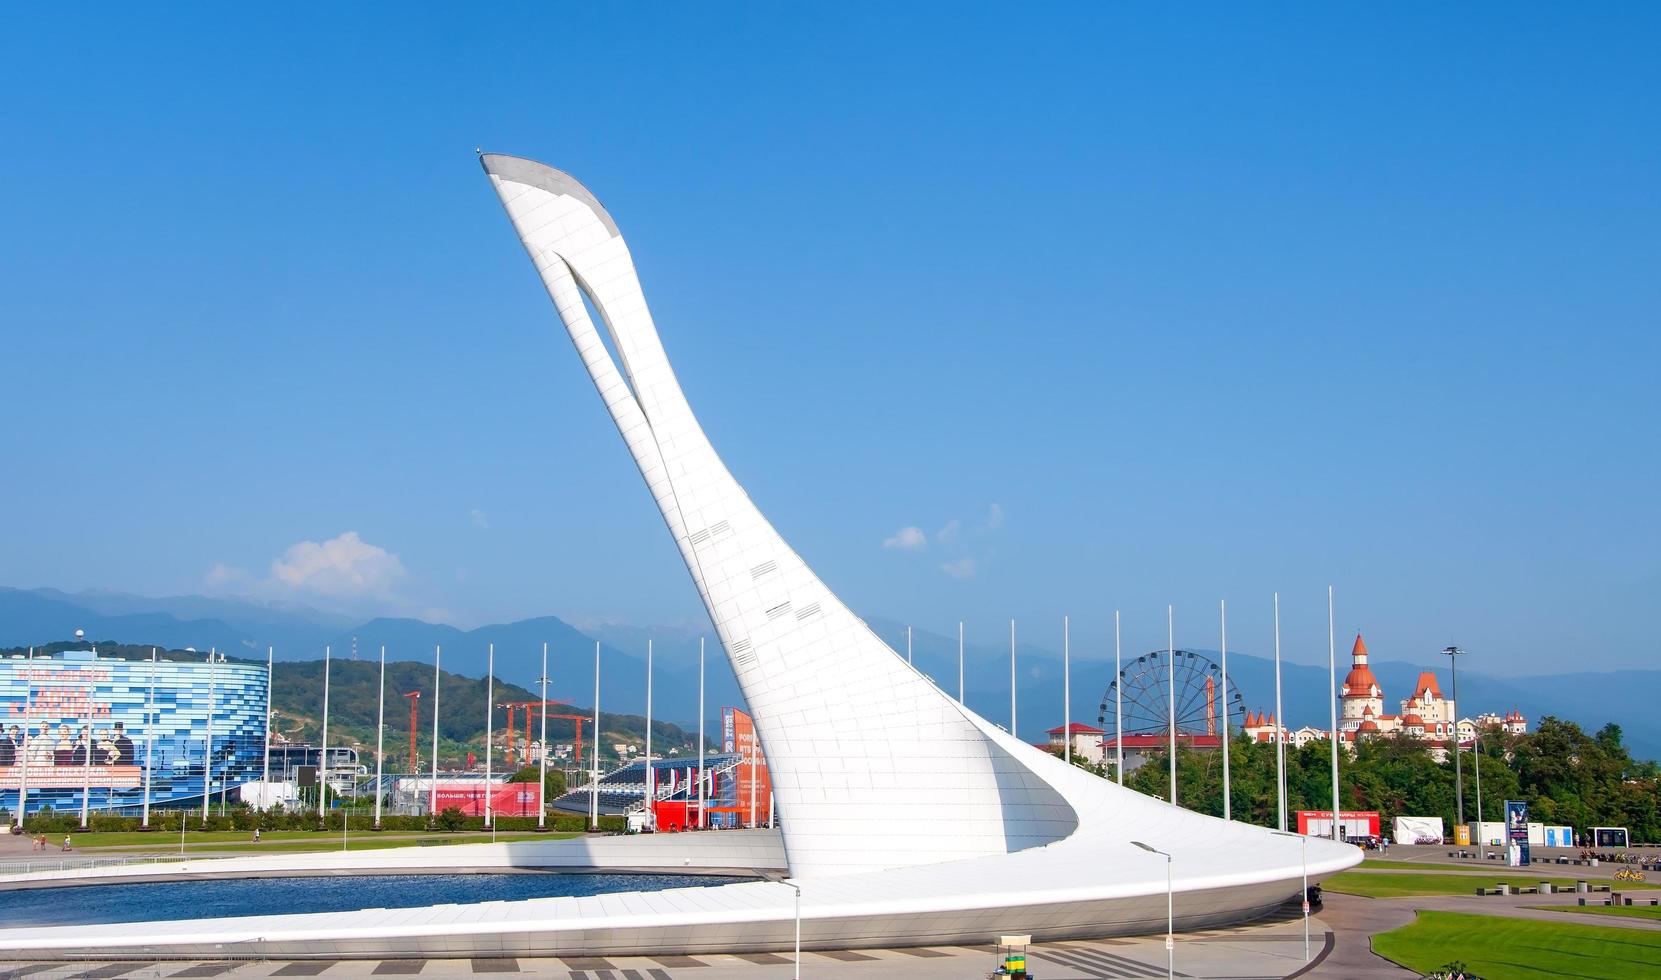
x,y
242,818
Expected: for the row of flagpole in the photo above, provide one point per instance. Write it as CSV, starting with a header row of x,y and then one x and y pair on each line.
x,y
1170,657
1279,734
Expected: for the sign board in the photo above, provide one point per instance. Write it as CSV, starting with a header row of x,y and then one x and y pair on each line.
x,y
1417,830
754,790
1516,832
305,775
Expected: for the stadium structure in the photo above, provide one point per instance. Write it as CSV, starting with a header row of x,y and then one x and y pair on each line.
x,y
80,728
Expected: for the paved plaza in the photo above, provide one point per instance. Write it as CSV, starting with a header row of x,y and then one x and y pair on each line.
x,y
1272,948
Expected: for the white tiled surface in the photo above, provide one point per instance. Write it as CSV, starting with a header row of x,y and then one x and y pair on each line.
x,y
857,797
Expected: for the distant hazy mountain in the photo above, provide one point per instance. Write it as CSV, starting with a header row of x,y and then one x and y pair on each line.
x,y
299,633
246,628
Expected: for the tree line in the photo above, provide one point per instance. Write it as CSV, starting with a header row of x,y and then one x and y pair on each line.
x,y
1568,777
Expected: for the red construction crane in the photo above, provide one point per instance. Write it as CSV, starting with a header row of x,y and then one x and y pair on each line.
x,y
414,703
527,706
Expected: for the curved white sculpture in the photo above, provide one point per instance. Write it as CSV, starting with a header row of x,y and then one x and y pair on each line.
x,y
919,779
918,823
852,797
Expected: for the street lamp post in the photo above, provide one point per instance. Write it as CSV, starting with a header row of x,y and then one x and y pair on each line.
x,y
1453,654
779,879
1170,910
798,950
1305,841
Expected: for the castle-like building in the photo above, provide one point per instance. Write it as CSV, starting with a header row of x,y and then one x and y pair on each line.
x,y
1425,715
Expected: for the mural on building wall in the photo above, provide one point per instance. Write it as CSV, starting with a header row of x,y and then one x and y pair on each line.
x,y
78,726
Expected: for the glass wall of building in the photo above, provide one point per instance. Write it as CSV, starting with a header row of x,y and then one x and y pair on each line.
x,y
81,726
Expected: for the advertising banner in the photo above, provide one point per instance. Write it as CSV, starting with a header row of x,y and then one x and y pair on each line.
x,y
61,735
1516,832
506,799
754,796
1418,830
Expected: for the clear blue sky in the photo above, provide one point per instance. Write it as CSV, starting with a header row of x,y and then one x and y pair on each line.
x,y
1207,303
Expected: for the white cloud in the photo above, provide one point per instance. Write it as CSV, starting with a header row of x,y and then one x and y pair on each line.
x,y
949,533
907,539
343,567
479,518
962,568
995,516
221,576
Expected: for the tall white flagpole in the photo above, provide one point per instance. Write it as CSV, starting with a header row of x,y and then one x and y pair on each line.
x,y
1012,677
86,765
432,783
594,775
150,732
1228,809
1171,668
23,745
542,790
207,759
1066,691
755,749
380,731
1332,682
701,823
489,727
651,782
265,772
323,749
960,661
1280,728
1118,706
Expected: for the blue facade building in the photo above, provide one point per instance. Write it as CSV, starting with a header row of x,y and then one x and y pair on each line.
x,y
81,726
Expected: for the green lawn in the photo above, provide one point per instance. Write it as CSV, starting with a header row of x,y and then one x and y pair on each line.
x,y
1521,949
1357,882
1371,864
286,841
1630,911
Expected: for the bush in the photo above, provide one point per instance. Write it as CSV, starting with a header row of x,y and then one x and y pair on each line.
x,y
450,820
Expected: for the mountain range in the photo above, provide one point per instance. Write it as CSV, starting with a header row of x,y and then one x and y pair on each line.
x,y
246,627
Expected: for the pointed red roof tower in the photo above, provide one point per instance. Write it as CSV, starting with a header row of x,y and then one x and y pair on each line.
x,y
1360,682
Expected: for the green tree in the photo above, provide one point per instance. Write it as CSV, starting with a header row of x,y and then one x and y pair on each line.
x,y
552,788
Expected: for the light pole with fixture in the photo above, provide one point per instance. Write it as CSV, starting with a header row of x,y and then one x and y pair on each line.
x,y
1305,841
775,877
1170,911
1453,654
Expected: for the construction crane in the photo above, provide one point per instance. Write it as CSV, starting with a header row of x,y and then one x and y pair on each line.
x,y
527,706
414,704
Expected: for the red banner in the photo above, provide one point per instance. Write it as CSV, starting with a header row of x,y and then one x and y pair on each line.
x,y
755,787
506,799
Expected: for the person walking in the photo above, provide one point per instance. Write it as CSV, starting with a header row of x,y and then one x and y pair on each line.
x,y
66,842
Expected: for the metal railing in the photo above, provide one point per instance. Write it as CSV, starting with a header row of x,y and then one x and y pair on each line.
x,y
77,864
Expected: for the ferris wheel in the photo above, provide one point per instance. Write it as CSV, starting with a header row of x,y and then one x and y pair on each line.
x,y
1144,689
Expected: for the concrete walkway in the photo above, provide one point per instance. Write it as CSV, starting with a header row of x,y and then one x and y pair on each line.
x,y
1354,921
1271,949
